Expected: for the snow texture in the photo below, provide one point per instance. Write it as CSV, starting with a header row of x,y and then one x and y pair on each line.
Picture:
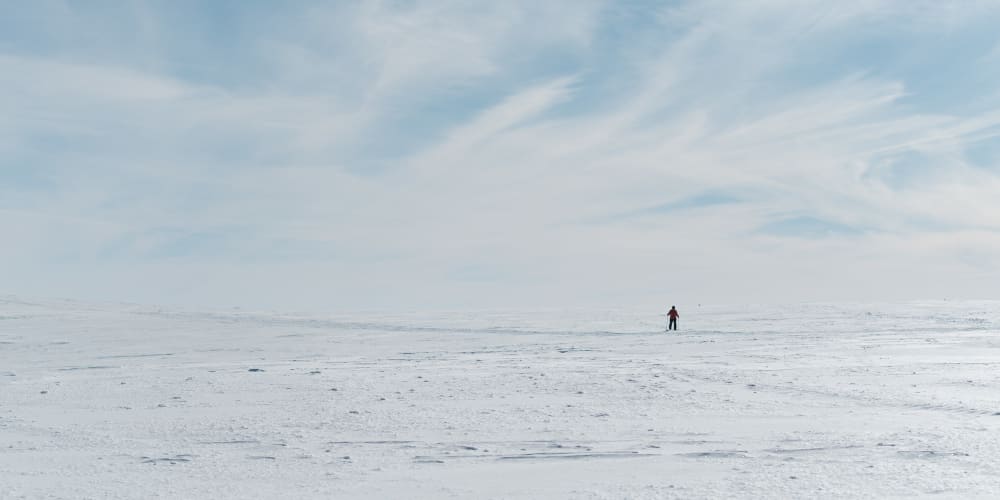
x,y
838,401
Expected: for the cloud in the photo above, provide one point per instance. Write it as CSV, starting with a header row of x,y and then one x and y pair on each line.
x,y
808,227
404,154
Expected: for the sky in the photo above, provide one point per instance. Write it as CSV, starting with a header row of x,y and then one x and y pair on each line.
x,y
406,155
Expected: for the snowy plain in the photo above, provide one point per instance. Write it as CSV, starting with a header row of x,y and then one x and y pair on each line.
x,y
819,400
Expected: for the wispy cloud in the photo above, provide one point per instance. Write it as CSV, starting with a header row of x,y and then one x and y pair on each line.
x,y
808,227
391,154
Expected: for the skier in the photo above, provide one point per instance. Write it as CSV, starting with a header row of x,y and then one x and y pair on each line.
x,y
673,318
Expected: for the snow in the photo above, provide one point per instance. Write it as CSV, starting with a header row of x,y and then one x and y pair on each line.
x,y
820,400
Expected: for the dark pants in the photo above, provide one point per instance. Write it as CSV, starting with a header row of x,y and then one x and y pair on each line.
x,y
673,324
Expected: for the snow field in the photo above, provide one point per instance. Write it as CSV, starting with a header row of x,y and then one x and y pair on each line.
x,y
855,401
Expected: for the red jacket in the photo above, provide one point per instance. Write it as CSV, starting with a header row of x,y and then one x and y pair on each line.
x,y
673,314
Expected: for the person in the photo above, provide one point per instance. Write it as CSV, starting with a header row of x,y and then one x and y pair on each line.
x,y
673,318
